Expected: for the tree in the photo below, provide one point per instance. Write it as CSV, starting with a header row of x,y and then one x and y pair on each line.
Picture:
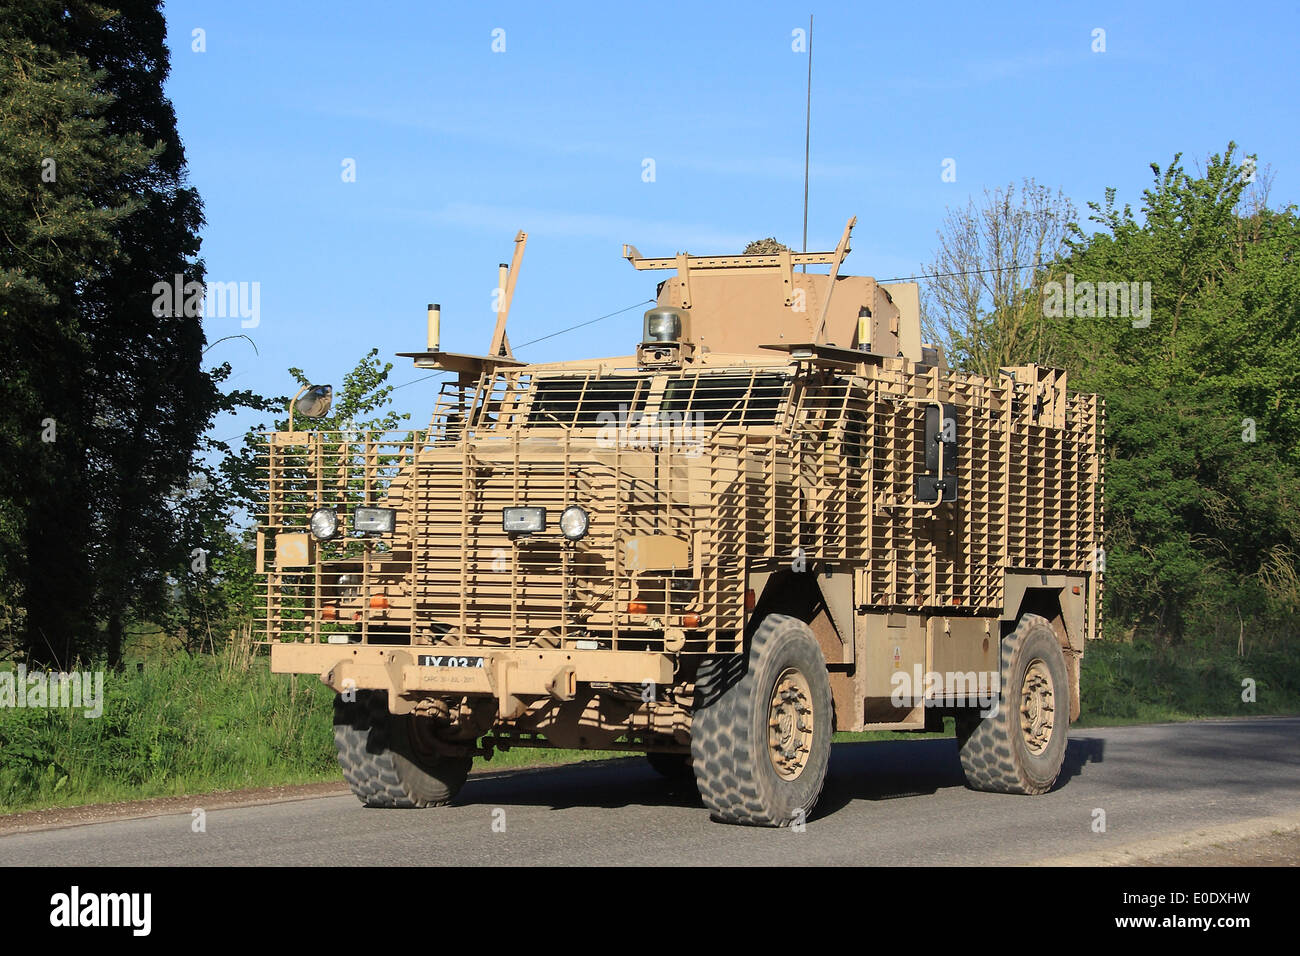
x,y
210,586
216,508
154,397
981,298
63,192
107,399
1203,390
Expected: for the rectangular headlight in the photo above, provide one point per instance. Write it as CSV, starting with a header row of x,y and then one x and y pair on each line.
x,y
523,520
380,520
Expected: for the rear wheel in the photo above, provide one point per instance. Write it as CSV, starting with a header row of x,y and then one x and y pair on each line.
x,y
392,761
1020,749
761,745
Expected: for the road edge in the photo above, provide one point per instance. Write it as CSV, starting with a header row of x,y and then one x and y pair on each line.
x,y
92,814
1151,849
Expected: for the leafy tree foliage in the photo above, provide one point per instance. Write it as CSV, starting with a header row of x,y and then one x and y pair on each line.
x,y
218,508
1198,361
104,402
154,397
1203,484
981,300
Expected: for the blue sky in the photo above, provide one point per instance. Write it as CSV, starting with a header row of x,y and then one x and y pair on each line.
x,y
457,147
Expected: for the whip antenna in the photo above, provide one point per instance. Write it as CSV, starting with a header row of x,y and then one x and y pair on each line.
x,y
807,132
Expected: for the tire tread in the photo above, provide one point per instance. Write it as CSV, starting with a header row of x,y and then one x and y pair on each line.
x,y
987,753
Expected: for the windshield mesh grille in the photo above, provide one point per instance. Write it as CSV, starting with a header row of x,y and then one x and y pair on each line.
x,y
578,402
735,399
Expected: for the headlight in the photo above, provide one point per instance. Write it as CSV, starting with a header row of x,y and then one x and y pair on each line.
x,y
574,523
324,524
523,520
379,520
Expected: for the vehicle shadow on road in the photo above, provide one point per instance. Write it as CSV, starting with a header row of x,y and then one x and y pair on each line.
x,y
890,769
1079,752
859,770
606,784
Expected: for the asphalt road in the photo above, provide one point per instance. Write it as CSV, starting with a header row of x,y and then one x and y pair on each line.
x,y
895,802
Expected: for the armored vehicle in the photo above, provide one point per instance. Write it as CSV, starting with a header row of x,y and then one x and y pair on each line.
x,y
780,516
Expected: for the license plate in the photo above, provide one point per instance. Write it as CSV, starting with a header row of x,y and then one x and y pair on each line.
x,y
446,660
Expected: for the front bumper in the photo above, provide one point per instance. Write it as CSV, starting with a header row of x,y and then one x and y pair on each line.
x,y
508,674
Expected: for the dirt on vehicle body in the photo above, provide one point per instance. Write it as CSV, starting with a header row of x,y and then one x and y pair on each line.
x,y
782,516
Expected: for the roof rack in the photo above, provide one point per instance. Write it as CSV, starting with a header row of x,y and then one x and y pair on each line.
x,y
683,262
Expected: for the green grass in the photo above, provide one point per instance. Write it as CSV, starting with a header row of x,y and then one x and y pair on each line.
x,y
185,725
867,735
190,725
1140,682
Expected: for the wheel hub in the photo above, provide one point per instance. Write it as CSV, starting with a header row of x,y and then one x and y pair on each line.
x,y
790,724
1037,707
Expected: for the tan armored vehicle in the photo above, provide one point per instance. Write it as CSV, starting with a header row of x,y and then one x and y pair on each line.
x,y
781,516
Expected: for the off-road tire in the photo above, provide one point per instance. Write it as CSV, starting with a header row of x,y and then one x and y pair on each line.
x,y
672,766
730,744
996,753
381,762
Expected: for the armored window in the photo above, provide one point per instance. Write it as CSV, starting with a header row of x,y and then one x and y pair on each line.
x,y
584,402
733,399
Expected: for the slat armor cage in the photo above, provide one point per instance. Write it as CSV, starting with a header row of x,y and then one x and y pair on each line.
x,y
692,480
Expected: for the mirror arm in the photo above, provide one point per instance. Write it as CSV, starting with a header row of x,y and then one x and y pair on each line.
x,y
294,401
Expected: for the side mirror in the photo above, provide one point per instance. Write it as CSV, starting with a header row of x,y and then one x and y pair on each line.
x,y
315,403
940,478
312,401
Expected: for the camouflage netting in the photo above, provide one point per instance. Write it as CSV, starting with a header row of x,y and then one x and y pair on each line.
x,y
765,247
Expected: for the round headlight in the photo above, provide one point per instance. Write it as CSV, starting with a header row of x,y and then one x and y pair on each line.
x,y
324,523
574,522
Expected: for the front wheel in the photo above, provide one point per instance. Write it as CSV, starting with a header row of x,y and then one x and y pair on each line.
x,y
392,761
761,746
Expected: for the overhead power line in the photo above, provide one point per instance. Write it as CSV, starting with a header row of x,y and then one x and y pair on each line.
x,y
934,275
549,335
609,315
